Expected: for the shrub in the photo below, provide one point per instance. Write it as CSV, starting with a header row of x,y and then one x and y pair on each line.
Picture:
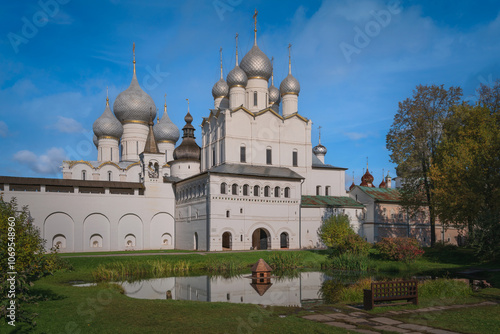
x,y
444,288
18,235
400,249
334,230
353,243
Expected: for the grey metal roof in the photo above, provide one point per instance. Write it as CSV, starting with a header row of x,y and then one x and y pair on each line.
x,y
266,171
69,182
316,163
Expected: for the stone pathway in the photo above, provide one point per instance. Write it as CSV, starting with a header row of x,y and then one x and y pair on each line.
x,y
382,322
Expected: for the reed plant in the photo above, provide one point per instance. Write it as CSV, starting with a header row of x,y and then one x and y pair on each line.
x,y
350,261
284,261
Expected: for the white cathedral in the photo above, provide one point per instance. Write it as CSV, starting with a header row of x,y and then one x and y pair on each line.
x,y
257,182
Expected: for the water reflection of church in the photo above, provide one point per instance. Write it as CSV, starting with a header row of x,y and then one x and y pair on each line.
x,y
282,292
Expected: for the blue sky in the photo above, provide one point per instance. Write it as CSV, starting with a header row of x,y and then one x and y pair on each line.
x,y
53,78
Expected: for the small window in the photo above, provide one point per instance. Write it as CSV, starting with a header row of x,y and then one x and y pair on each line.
x,y
245,190
223,188
255,99
327,191
276,191
241,237
110,176
227,214
84,175
266,191
243,154
287,192
256,191
318,190
213,157
234,189
269,156
241,210
111,158
295,158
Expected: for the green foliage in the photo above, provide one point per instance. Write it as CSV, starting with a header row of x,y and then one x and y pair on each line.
x,y
466,173
354,243
337,234
350,261
400,249
413,139
334,230
19,238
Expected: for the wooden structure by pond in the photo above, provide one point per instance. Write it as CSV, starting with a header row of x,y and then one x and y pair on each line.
x,y
261,277
391,291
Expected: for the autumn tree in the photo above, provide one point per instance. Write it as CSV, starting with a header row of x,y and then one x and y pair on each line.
x,y
466,171
413,139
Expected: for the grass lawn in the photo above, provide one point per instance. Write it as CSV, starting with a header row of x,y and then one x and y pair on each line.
x,y
474,320
104,309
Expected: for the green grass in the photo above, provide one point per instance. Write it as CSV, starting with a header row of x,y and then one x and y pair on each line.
x,y
104,309
474,320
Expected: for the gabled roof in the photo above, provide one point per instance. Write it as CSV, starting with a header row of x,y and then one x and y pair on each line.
x,y
329,201
263,111
296,114
382,194
260,266
266,171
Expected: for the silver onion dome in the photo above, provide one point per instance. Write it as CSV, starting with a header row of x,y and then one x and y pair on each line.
x,y
237,77
220,89
134,104
165,129
256,64
274,95
107,125
290,85
319,149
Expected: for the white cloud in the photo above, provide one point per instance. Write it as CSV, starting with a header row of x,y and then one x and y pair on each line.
x,y
67,125
48,163
4,129
356,135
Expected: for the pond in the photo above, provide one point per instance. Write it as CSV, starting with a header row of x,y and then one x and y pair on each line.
x,y
304,287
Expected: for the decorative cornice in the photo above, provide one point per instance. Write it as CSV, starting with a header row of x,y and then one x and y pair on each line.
x,y
233,86
135,122
108,137
131,165
257,77
166,141
290,93
108,163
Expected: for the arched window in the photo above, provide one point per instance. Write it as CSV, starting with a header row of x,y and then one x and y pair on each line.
x,y
328,191
256,190
287,192
276,191
295,158
234,189
110,176
245,190
255,99
267,189
84,175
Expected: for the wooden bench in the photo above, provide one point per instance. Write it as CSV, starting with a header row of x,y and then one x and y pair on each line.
x,y
391,291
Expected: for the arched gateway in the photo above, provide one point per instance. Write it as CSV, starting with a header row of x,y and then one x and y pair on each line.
x,y
261,239
226,241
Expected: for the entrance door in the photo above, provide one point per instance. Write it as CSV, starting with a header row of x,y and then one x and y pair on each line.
x,y
226,241
261,239
284,240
